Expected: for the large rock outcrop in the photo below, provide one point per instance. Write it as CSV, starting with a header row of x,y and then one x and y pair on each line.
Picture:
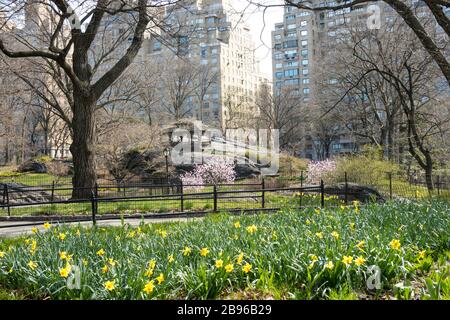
x,y
21,194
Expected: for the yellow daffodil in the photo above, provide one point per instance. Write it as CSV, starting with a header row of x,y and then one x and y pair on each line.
x,y
308,222
360,245
204,252
32,265
85,262
355,203
240,258
111,262
2,254
33,246
34,230
352,226
78,233
110,285
247,267
105,269
160,278
47,226
343,208
395,244
219,264
317,211
252,229
64,272
314,258
63,255
101,252
335,235
187,251
229,268
163,233
319,235
421,254
170,258
347,260
237,224
149,287
149,272
360,261
329,265
61,236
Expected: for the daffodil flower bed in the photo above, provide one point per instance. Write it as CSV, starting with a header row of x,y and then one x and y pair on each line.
x,y
291,254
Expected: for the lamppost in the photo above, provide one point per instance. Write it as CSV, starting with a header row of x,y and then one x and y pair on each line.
x,y
166,155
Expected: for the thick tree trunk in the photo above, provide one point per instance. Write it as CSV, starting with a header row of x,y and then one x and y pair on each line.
x,y
83,147
429,177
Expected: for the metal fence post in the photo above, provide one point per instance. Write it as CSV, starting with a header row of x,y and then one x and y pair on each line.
x,y
182,196
439,185
6,199
390,186
301,187
346,188
53,191
263,194
322,194
215,198
94,208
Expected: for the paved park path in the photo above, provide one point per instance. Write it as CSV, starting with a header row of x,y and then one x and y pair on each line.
x,y
16,229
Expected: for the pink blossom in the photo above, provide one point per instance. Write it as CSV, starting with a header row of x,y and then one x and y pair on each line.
x,y
215,170
317,170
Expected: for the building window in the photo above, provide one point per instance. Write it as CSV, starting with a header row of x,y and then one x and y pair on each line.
x,y
291,64
291,44
278,56
305,52
304,43
305,90
305,81
305,62
304,33
279,75
291,35
291,26
292,82
305,72
278,66
291,73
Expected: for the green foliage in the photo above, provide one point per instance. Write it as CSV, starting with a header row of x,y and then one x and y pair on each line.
x,y
287,254
292,166
368,167
43,159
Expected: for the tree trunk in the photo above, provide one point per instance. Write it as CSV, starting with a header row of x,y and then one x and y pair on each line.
x,y
429,177
83,147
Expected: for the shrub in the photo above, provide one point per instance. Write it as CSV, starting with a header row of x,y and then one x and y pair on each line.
x,y
367,167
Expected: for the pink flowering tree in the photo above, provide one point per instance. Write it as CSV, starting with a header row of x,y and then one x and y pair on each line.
x,y
215,170
318,170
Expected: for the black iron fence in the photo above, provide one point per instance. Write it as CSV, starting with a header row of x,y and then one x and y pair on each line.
x,y
169,198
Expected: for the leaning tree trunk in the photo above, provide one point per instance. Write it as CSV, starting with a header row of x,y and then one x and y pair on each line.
x,y
83,147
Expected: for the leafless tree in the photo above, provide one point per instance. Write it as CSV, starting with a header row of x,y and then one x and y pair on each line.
x,y
71,40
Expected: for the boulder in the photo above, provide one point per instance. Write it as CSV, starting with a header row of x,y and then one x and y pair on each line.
x,y
22,194
32,166
355,192
246,171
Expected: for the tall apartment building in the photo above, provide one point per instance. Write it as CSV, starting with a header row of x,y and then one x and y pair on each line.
x,y
211,39
301,45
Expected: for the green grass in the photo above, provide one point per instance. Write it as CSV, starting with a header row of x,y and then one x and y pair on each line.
x,y
286,254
